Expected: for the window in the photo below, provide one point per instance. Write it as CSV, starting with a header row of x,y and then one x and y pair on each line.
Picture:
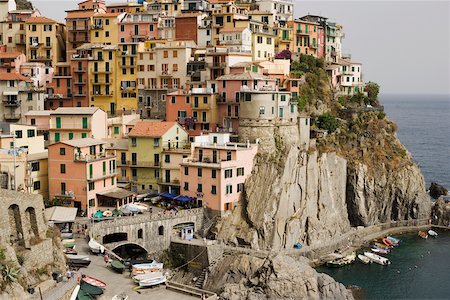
x,y
104,168
166,54
240,172
30,133
91,186
70,135
58,122
175,53
140,233
186,171
228,155
62,151
156,173
107,22
83,135
91,202
57,137
156,142
262,110
161,230
112,180
62,168
36,185
228,189
213,190
213,173
186,186
35,166
85,122
269,41
167,158
173,99
199,172
229,173
199,188
240,187
205,100
116,130
91,171
133,142
259,39
33,121
283,97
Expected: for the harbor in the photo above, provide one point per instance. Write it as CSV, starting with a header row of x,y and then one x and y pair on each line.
x,y
417,270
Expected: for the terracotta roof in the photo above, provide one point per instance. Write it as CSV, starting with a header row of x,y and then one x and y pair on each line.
x,y
149,128
9,54
74,111
238,29
14,76
244,76
40,20
80,14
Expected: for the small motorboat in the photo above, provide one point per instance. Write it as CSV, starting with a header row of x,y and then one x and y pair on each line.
x,y
432,233
423,234
93,281
69,243
70,251
383,246
380,251
117,266
151,279
90,289
364,259
146,268
342,261
78,260
377,259
387,242
394,240
96,247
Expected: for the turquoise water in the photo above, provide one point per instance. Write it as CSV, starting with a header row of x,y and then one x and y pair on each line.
x,y
419,270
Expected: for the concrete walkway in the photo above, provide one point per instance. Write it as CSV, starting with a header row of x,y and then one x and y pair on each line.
x,y
119,283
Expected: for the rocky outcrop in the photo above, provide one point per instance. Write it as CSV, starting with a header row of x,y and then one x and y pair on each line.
x,y
280,277
441,213
437,190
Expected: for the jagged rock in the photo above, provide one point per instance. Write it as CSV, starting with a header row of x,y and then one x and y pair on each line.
x,y
441,213
279,277
437,190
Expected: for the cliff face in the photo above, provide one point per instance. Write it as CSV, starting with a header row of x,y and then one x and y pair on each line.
x,y
311,197
280,277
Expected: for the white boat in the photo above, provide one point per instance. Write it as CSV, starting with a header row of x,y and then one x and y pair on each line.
x,y
363,259
394,240
377,259
74,294
147,276
95,246
151,281
146,268
432,233
142,206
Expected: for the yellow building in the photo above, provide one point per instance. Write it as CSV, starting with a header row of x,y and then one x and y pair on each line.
x,y
46,41
105,29
37,174
227,16
147,140
284,38
119,148
170,167
263,44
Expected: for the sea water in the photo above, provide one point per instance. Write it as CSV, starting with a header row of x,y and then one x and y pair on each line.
x,y
420,268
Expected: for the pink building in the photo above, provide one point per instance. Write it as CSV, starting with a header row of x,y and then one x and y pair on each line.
x,y
178,107
11,61
229,88
81,174
215,172
141,26
40,119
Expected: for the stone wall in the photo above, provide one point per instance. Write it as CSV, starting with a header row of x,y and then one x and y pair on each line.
x,y
152,241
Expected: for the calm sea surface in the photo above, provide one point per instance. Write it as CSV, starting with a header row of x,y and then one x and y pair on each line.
x,y
420,268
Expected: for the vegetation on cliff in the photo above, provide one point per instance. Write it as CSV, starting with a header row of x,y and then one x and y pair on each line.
x,y
23,5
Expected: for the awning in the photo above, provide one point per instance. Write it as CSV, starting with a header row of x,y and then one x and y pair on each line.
x,y
184,199
10,93
116,193
168,195
59,214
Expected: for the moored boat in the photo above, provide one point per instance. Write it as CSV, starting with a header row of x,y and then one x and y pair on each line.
x,y
342,261
394,240
382,246
432,233
78,260
93,281
117,266
380,251
74,294
364,259
95,247
423,234
387,242
151,279
146,268
90,289
377,259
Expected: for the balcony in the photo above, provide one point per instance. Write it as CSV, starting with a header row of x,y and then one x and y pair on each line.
x,y
97,71
122,163
166,73
65,195
11,103
102,176
81,157
314,46
218,65
144,164
41,58
97,26
10,116
175,182
78,28
82,70
47,46
34,45
100,82
77,94
101,93
301,32
20,40
80,82
286,39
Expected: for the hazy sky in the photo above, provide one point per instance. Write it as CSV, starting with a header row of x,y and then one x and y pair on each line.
x,y
403,45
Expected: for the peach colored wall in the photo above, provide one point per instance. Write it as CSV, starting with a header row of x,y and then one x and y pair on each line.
x,y
144,30
173,108
41,122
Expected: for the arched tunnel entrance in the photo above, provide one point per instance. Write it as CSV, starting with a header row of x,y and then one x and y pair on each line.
x,y
131,251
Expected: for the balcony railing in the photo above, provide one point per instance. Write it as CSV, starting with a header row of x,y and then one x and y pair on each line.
x,y
38,58
168,182
11,103
218,65
144,164
91,157
100,70
77,70
302,32
12,116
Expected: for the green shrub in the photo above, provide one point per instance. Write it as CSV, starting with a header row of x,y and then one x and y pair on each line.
x,y
372,89
301,102
328,122
381,115
2,254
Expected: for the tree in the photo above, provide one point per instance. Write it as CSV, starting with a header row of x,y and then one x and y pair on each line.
x,y
372,89
328,122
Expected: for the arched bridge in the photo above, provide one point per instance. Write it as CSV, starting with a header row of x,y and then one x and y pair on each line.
x,y
152,232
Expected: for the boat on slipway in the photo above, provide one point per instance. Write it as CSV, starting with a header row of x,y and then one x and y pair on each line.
x,y
93,281
117,266
377,259
78,260
96,247
149,279
146,268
